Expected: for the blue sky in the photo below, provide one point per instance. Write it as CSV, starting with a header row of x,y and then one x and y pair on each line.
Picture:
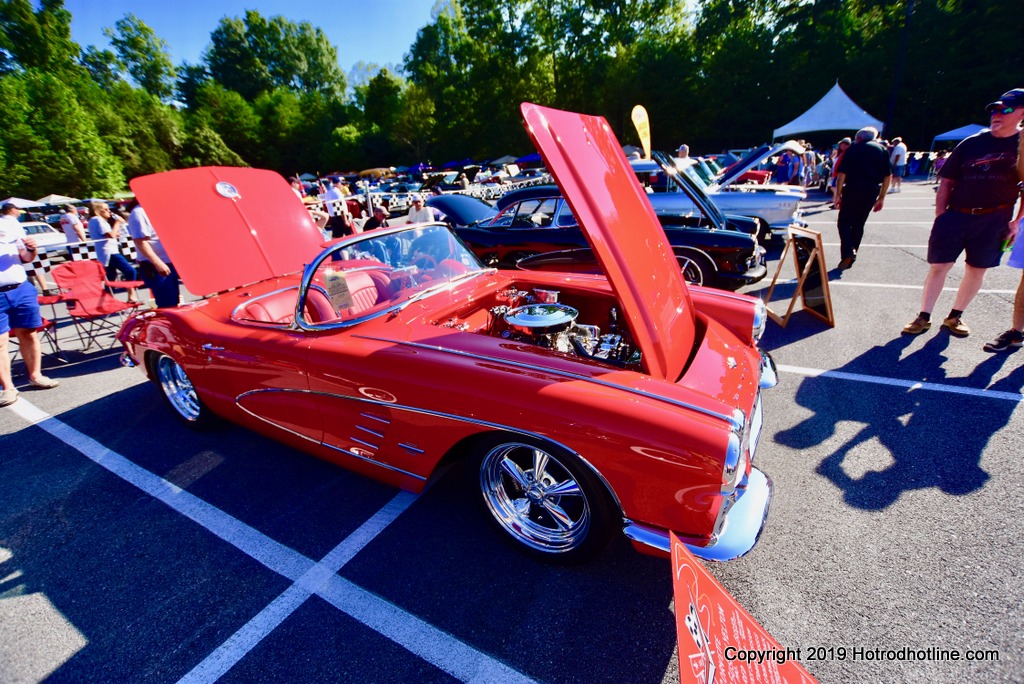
x,y
371,31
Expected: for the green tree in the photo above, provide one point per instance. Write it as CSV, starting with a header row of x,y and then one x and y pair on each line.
x,y
414,127
202,146
143,54
190,77
103,66
67,151
231,116
254,55
37,39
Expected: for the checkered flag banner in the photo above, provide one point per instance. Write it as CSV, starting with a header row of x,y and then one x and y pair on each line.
x,y
77,251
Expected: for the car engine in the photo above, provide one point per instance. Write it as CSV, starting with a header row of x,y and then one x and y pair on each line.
x,y
538,318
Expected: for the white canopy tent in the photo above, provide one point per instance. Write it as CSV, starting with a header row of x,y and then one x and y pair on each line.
x,y
836,111
57,199
21,203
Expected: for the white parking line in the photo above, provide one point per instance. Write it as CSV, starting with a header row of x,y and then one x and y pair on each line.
x,y
845,283
423,640
908,384
813,222
836,244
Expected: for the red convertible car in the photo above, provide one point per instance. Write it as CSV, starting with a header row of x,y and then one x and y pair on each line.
x,y
589,404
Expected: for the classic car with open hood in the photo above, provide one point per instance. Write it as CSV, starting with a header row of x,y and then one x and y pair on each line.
x,y
588,404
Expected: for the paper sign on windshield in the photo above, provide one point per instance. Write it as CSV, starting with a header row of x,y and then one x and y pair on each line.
x,y
718,640
337,290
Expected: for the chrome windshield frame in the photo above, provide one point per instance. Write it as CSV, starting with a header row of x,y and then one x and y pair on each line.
x,y
335,247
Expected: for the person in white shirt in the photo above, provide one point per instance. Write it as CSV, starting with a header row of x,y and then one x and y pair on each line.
x,y
420,213
72,225
898,159
107,252
319,217
154,264
19,306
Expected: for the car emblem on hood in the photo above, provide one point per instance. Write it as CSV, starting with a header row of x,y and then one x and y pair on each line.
x,y
225,189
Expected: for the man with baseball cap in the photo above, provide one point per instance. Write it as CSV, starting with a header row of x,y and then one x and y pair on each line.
x,y
19,308
978,187
1014,337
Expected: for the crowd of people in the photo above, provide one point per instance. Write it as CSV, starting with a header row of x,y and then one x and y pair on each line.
x,y
980,183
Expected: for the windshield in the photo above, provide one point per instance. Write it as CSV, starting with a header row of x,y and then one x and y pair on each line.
x,y
693,188
381,271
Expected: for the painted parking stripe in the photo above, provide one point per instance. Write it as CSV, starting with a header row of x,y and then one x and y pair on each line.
x,y
270,553
906,384
814,222
846,283
215,665
429,643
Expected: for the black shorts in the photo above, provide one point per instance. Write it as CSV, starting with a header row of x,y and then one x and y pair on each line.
x,y
980,236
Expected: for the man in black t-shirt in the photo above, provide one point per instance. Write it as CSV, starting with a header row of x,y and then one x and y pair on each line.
x,y
862,180
973,211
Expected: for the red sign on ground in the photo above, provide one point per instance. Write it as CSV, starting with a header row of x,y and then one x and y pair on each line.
x,y
718,640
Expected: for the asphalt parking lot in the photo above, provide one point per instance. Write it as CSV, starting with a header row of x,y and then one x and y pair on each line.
x,y
133,549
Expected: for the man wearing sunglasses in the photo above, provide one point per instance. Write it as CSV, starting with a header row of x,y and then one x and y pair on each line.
x,y
978,187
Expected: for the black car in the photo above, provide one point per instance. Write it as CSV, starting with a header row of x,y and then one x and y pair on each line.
x,y
536,222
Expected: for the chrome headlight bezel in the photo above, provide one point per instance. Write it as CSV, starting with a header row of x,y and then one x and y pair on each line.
x,y
760,319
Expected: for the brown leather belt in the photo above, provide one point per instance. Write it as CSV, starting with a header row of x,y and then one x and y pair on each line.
x,y
975,211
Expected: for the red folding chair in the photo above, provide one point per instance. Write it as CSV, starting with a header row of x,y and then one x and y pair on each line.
x,y
93,309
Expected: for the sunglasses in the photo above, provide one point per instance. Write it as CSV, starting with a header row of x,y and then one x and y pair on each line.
x,y
1002,110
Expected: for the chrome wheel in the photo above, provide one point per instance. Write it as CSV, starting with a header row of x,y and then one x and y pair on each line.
x,y
178,389
535,497
692,272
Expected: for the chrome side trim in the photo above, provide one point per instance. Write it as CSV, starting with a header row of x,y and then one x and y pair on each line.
x,y
379,419
411,449
648,536
374,462
365,444
437,414
735,421
378,435
270,422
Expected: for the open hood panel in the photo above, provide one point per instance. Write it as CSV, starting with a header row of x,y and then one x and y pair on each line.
x,y
228,226
613,210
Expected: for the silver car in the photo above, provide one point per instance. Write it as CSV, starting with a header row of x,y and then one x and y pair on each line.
x,y
775,207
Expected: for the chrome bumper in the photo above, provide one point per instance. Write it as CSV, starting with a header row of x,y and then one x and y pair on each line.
x,y
743,524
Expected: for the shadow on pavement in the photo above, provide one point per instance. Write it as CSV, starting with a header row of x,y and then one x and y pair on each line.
x,y
911,423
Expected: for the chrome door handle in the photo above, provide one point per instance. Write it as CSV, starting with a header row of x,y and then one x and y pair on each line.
x,y
211,347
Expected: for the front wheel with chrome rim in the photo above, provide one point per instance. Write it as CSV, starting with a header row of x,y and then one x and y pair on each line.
x,y
179,392
696,268
546,499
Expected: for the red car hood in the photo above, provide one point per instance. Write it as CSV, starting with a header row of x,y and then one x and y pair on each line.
x,y
227,226
612,209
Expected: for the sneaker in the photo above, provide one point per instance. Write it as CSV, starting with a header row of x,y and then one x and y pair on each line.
x,y
1011,339
8,397
43,382
917,326
956,327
